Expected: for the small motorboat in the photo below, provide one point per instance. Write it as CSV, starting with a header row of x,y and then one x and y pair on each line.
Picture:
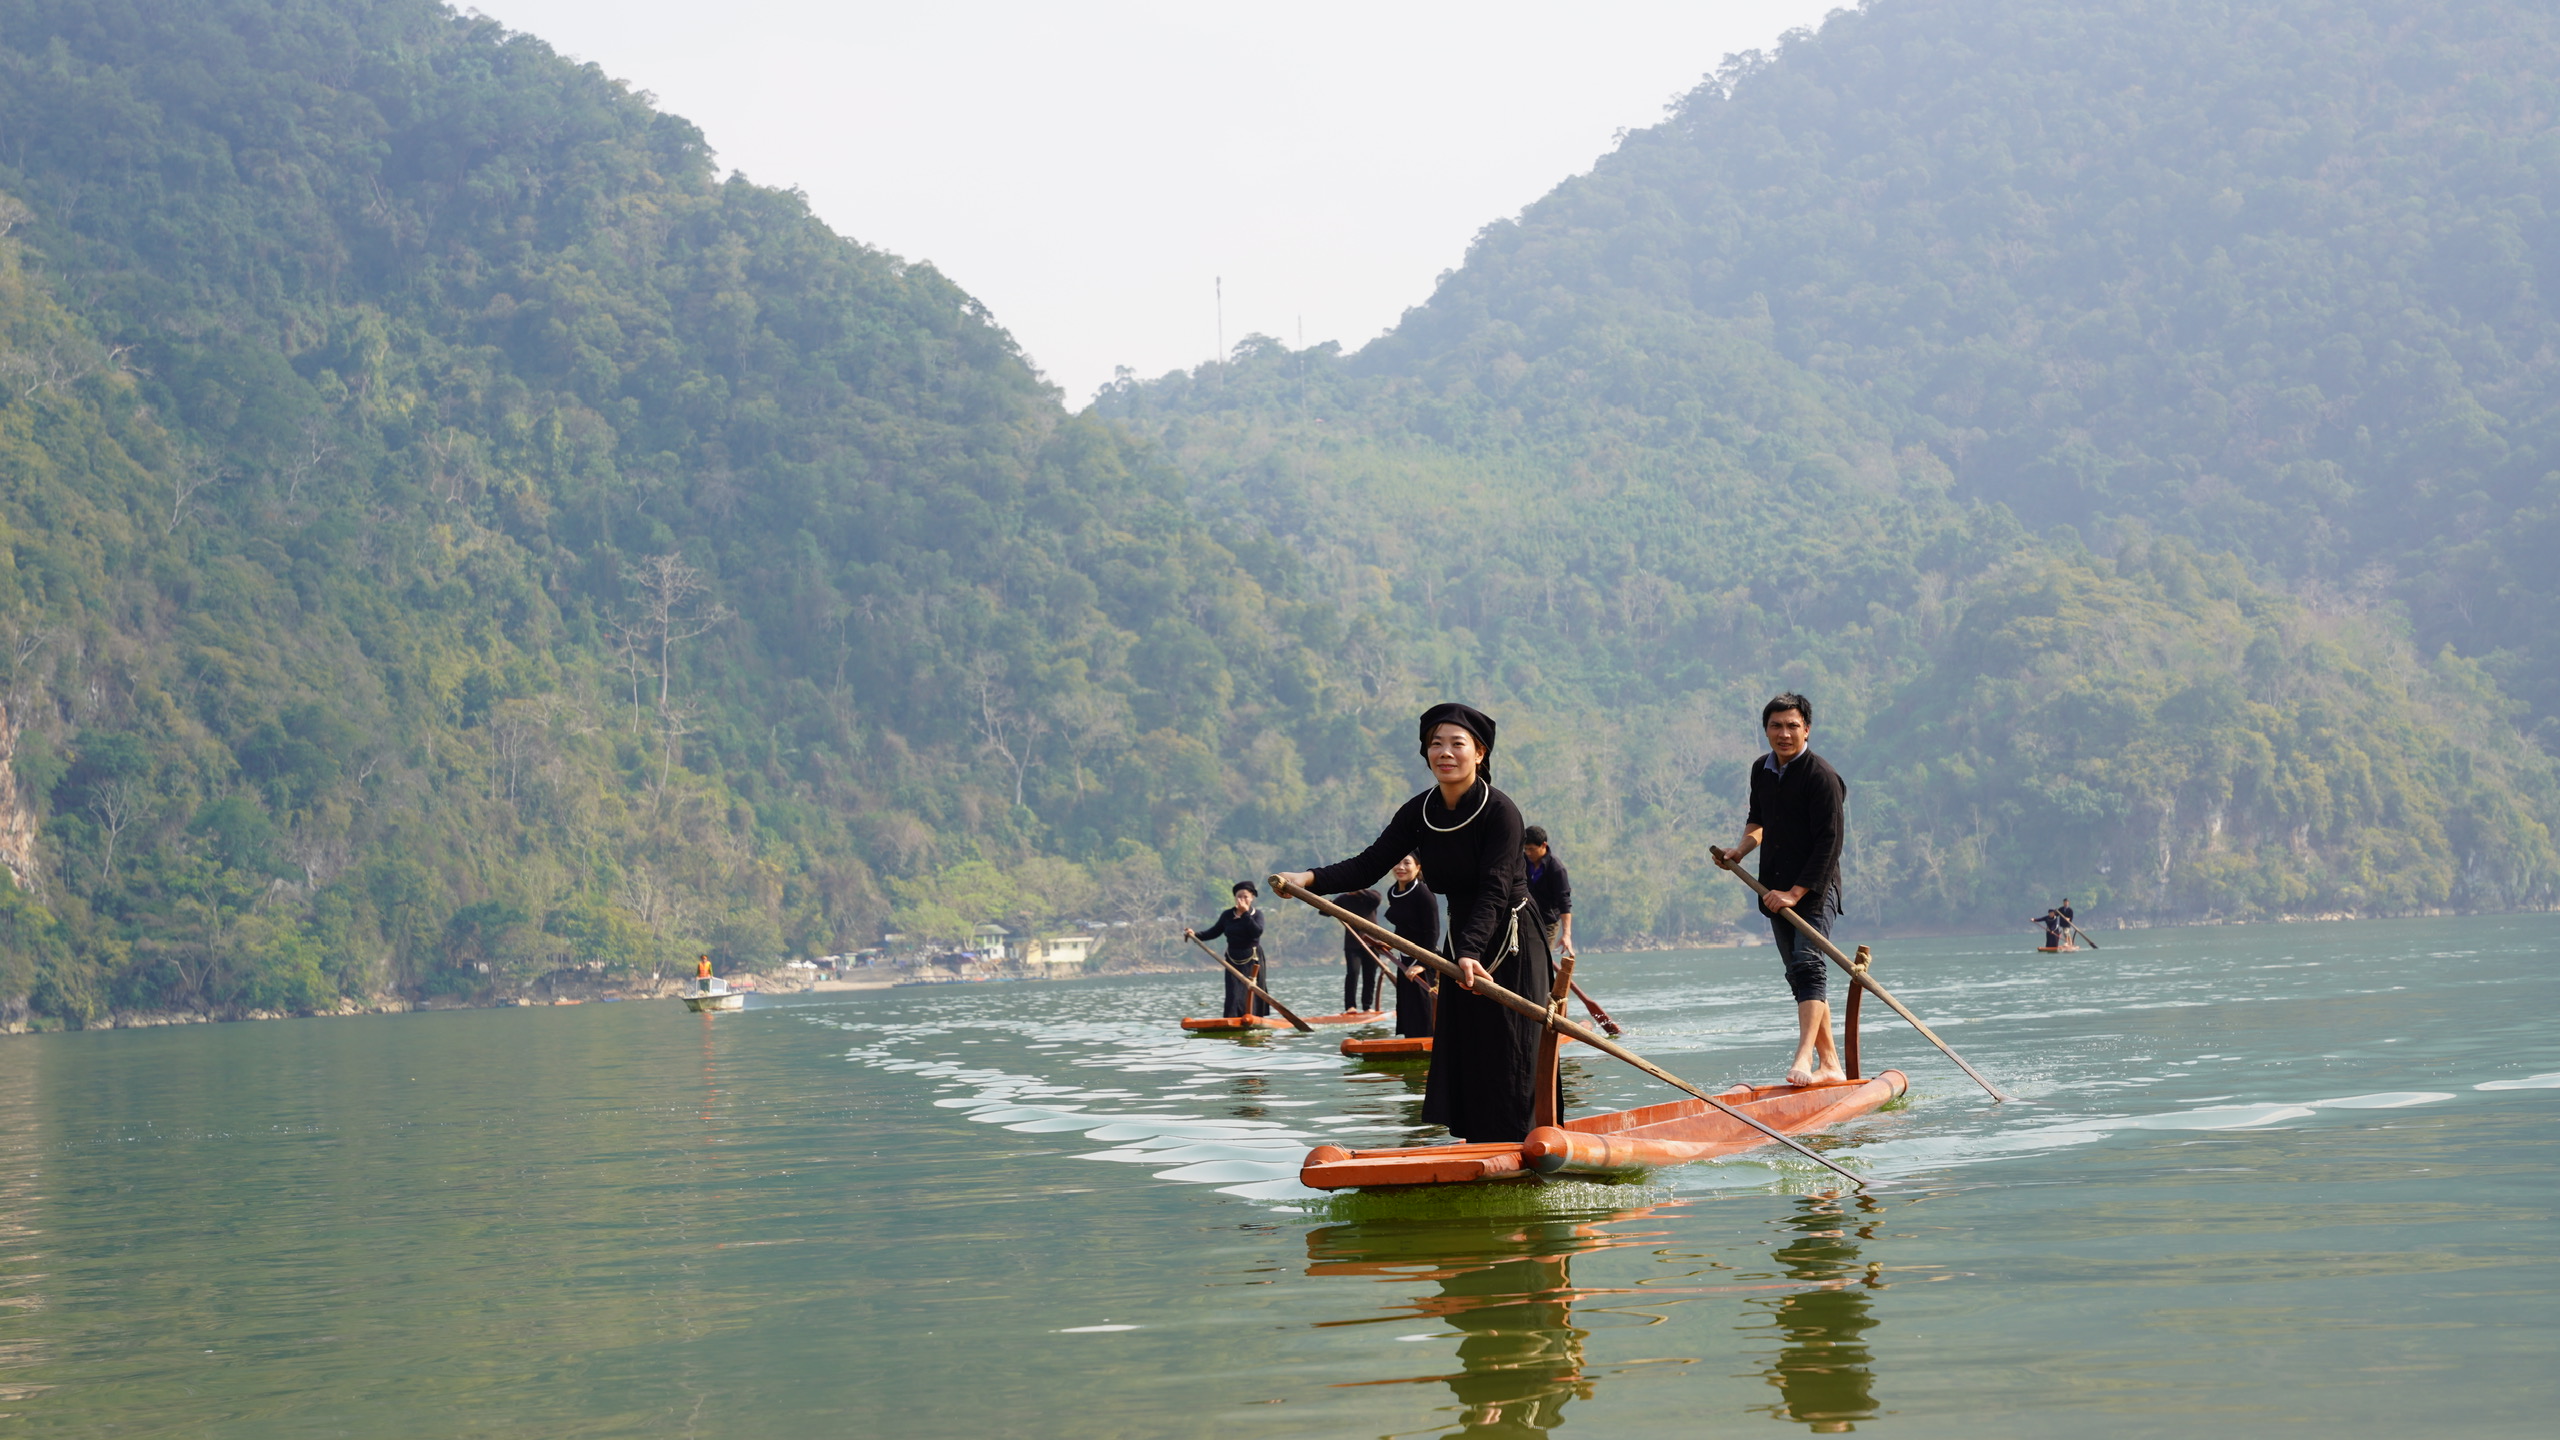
x,y
1617,1143
1392,1047
710,992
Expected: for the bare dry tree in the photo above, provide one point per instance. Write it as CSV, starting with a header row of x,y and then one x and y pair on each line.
x,y
117,805
192,476
1008,732
674,723
310,455
672,608
517,730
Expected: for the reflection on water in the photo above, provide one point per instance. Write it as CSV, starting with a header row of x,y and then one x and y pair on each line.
x,y
1506,1294
1823,1370
1505,1290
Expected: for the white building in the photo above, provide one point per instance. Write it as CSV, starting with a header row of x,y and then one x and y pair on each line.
x,y
1058,950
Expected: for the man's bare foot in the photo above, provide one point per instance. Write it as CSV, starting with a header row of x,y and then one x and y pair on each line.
x,y
1830,1075
1799,1074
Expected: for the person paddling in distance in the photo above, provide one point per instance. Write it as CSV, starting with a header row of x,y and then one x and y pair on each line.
x,y
1467,837
1241,926
1359,972
1550,887
1799,815
1413,912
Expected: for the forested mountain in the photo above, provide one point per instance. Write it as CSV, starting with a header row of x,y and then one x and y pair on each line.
x,y
2132,420
453,536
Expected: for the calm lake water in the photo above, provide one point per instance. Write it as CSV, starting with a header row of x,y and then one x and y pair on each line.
x,y
2294,1178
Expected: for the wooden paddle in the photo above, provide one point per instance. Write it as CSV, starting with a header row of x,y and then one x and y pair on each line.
x,y
1596,1012
1823,943
2083,934
1393,978
1548,1018
1285,1012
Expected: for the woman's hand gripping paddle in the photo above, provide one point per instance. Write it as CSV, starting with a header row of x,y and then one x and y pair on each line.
x,y
1285,1012
1548,1018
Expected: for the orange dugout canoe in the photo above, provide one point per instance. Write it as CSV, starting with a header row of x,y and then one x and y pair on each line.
x,y
1675,1133
1389,1048
1274,1022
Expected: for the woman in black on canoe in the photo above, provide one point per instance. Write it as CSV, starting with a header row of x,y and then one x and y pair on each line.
x,y
1467,836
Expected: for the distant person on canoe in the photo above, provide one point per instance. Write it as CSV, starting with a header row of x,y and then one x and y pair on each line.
x,y
1241,925
1799,816
1467,836
1359,972
2057,929
1549,886
1413,912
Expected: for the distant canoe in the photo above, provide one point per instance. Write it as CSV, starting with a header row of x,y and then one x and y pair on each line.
x,y
1391,1048
2056,949
1237,1022
1274,1022
1676,1133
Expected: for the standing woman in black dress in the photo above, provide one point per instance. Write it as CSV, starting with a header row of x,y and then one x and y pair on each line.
x,y
1413,912
1467,836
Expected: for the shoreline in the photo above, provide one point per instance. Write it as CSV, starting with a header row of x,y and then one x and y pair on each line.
x,y
671,989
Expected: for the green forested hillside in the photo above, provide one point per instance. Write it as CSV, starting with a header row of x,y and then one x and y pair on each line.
x,y
454,536
2123,417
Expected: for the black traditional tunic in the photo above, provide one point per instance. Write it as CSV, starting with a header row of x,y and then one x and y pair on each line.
x,y
1414,913
1483,1057
1243,932
1552,889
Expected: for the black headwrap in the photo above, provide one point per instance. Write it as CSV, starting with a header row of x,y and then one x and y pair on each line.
x,y
1450,712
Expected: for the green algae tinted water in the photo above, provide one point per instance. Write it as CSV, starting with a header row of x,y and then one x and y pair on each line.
x,y
2291,1178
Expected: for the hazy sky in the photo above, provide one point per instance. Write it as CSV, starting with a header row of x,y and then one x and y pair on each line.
x,y
1090,170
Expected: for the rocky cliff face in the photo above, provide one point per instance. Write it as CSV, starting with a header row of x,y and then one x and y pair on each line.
x,y
17,817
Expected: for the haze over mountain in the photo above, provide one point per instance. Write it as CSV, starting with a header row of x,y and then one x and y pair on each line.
x,y
453,537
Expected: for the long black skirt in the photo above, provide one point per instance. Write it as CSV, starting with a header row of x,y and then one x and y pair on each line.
x,y
1484,1058
1240,999
1413,1006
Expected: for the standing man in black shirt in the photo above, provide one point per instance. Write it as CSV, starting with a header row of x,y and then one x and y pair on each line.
x,y
1799,814
1242,927
1549,886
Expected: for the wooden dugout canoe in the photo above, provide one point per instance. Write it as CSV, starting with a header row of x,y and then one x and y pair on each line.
x,y
1392,1047
1675,1133
1274,1022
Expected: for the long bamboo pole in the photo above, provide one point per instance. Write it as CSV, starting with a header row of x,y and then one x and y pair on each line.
x,y
1823,943
1548,1018
1285,1012
1380,960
